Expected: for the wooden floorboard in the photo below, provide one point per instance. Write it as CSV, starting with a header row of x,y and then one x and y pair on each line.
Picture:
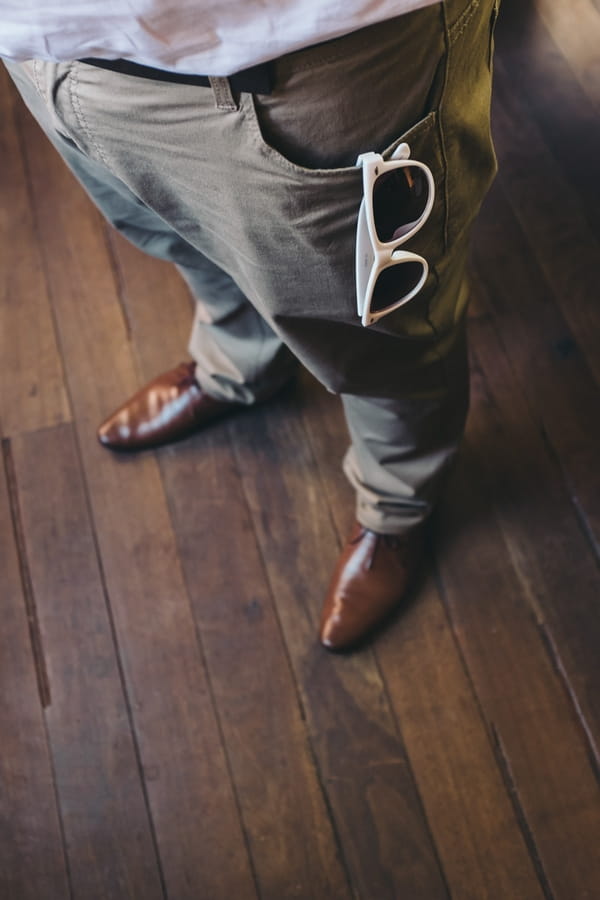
x,y
291,838
170,726
32,858
97,774
574,29
292,842
548,541
544,751
552,370
199,836
476,832
33,391
391,853
548,99
553,218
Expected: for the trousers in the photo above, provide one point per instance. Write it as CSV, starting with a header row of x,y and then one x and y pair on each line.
x,y
255,198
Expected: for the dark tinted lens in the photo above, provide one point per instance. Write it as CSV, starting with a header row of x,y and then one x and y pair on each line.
x,y
394,283
399,199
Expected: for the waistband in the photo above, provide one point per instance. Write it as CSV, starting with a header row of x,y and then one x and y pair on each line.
x,y
255,80
261,79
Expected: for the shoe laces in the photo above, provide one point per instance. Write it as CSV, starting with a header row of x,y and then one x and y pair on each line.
x,y
397,543
186,374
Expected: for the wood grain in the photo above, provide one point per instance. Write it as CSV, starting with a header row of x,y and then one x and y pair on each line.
x,y
33,391
540,741
550,363
551,216
446,736
193,808
284,813
108,834
574,27
391,853
32,861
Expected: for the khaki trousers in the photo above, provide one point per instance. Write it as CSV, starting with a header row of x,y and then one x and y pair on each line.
x,y
255,199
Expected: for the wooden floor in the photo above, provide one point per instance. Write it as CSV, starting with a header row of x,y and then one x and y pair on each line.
x,y
169,725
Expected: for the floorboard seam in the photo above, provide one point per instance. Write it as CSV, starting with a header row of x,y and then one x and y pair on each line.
x,y
35,635
513,795
122,678
497,749
36,639
311,750
557,664
211,693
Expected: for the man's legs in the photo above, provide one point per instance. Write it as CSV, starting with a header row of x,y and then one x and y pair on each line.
x,y
404,446
401,446
238,358
267,191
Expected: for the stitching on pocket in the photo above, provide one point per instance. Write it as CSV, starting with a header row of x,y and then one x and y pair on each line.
x,y
251,117
419,129
455,31
73,76
493,20
37,78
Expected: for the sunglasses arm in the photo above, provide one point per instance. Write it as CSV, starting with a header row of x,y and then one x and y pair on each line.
x,y
402,151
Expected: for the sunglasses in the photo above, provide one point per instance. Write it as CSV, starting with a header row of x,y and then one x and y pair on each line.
x,y
398,197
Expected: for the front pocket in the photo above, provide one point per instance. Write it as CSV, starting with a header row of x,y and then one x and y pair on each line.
x,y
340,188
313,214
281,151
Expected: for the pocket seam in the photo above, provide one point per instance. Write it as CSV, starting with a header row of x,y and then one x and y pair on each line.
x,y
248,109
456,29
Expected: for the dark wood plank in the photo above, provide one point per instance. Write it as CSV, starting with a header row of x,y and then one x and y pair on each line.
x,y
107,829
551,216
547,93
575,27
286,821
285,818
200,840
476,832
539,737
158,306
476,829
33,393
552,371
363,764
542,528
32,862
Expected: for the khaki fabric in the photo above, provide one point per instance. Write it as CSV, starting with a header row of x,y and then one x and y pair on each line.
x,y
255,198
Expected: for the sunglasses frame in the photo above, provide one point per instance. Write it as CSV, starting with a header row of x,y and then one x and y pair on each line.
x,y
373,255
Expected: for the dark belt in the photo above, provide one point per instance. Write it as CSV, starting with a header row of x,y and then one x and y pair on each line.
x,y
256,80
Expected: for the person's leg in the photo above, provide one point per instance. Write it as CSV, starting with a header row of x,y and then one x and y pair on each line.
x,y
238,358
266,188
402,446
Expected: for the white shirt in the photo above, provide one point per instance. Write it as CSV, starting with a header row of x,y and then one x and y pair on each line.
x,y
208,37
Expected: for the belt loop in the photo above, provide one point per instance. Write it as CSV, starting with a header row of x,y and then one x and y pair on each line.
x,y
224,99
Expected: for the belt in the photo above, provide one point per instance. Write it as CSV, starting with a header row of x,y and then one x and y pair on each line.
x,y
256,80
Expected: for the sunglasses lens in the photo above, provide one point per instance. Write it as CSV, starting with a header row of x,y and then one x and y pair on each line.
x,y
394,283
399,201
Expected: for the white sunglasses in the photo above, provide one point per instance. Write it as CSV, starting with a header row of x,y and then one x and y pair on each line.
x,y
398,197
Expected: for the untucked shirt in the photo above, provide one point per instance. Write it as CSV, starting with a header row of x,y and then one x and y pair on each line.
x,y
208,37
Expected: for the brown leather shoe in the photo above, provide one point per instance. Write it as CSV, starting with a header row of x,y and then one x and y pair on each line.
x,y
371,578
167,409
